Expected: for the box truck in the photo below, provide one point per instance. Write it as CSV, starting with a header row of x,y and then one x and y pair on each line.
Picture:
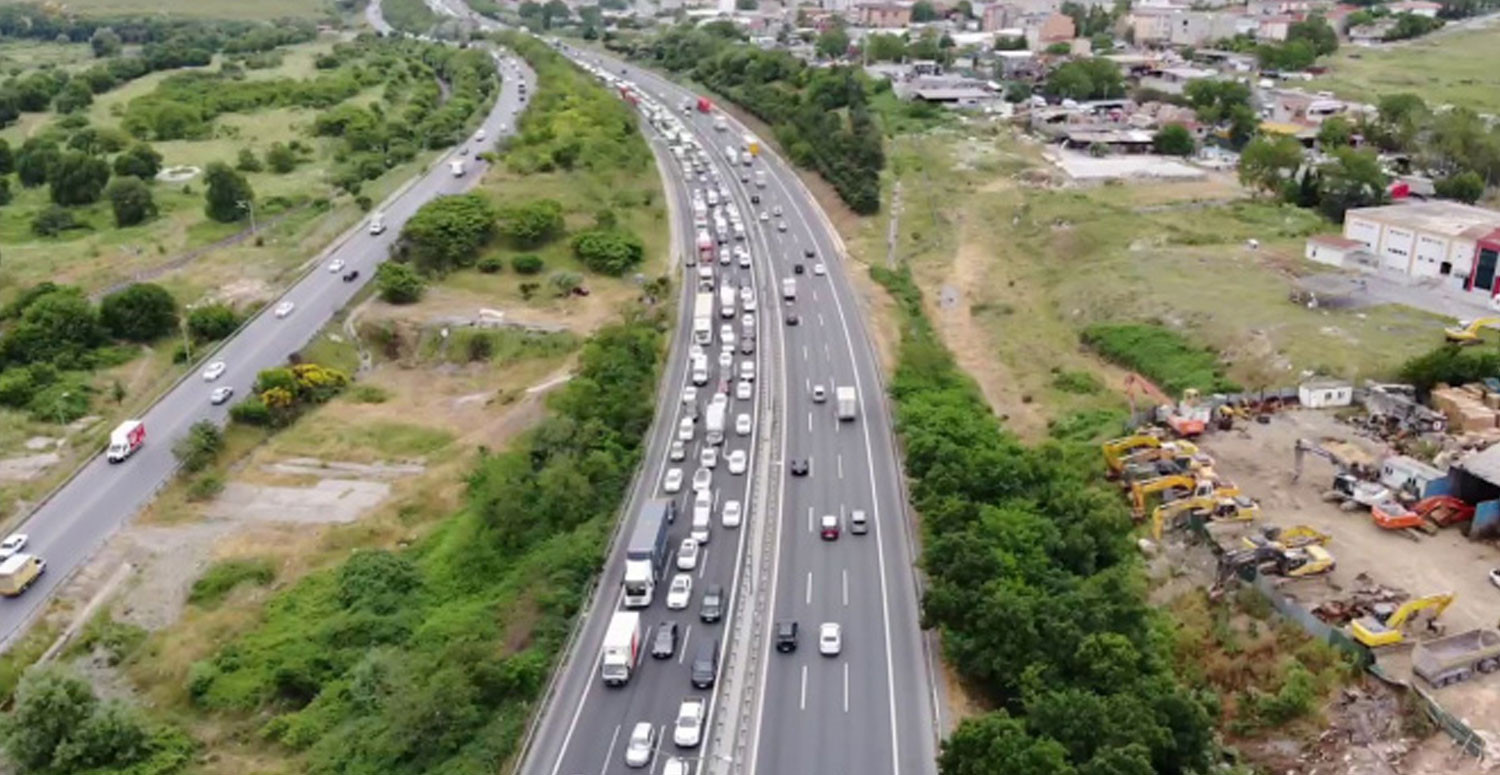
x,y
125,439
846,401
752,144
457,167
18,572
622,644
703,318
646,553
726,301
717,410
789,288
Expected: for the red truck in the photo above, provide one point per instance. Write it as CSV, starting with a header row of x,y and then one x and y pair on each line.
x,y
125,440
704,105
627,95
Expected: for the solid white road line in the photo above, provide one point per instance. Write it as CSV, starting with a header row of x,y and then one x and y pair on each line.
x,y
608,754
846,586
682,648
808,600
846,687
801,703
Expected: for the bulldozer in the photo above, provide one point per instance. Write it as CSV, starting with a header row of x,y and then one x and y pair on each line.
x,y
1378,630
1203,484
1219,509
1292,563
1467,332
1294,537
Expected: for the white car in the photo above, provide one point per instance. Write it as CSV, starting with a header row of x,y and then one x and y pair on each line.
x,y
764,216
689,729
747,300
678,451
709,457
214,371
673,480
732,514
726,335
702,478
776,211
742,424
819,269
744,260
221,394
284,308
781,225
747,370
335,266
819,394
689,394
726,358
747,321
743,390
830,639
687,555
674,766
642,745
680,593
13,543
685,429
737,461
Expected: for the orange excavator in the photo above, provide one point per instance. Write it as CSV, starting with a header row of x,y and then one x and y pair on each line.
x,y
1444,510
1187,418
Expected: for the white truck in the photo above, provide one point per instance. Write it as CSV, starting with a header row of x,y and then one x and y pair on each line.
x,y
846,401
646,554
789,288
703,318
720,124
457,167
622,644
760,178
717,413
726,301
125,439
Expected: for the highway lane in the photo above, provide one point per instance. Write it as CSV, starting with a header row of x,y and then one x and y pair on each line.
x,y
69,526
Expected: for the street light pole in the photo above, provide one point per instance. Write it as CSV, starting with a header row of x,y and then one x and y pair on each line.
x,y
248,205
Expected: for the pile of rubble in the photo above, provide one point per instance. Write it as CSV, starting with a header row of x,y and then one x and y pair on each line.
x,y
1362,601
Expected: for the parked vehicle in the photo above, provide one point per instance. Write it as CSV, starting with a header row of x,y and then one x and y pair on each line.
x,y
1445,661
125,439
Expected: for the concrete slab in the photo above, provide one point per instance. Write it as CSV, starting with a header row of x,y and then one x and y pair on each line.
x,y
330,500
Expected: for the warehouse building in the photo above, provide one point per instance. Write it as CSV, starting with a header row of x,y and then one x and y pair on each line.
x,y
1454,243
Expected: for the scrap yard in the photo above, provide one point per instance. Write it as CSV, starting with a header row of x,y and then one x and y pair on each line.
x,y
1371,514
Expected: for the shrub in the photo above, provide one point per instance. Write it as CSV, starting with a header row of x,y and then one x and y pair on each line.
x,y
223,576
197,449
608,251
52,221
251,411
248,161
139,313
528,263
368,394
491,264
211,322
533,223
1160,354
1079,382
398,283
205,487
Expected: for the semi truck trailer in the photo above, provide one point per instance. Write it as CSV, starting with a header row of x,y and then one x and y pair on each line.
x,y
646,554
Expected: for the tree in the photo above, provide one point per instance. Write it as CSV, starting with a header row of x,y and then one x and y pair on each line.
x,y
1059,49
105,42
884,47
447,232
532,223
78,179
399,283
5,193
198,448
58,325
1268,161
226,190
7,158
1352,179
1086,79
995,742
35,160
247,161
99,140
281,158
1174,140
139,313
833,42
74,97
1466,186
139,160
131,200
50,705
1335,132
1316,33
923,11
608,251
211,322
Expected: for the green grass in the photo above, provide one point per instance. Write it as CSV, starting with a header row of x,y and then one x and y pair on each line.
x,y
1161,354
224,576
328,438
204,9
1456,68
409,15
20,55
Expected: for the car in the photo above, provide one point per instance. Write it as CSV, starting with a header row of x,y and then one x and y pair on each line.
x,y
680,593
705,668
809,253
675,766
786,636
781,225
1495,576
830,639
732,514
672,482
351,275
764,216
702,478
793,318
744,178
13,543
799,466
687,555
723,388
214,371
755,199
711,607
685,429
738,460
747,321
744,390
726,358
776,211
641,746
221,394
798,269
726,334
859,522
335,266
828,527
744,261
678,451
664,642
709,457
284,308
688,731
689,393
742,424
819,394
690,411
747,370
463,150
819,270
747,346
747,299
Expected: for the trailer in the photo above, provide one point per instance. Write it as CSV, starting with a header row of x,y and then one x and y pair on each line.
x,y
703,318
646,553
1445,661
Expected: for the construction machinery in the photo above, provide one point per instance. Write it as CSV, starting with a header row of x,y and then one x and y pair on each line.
x,y
1170,459
1294,537
1467,332
1392,514
1189,417
1444,510
1395,409
1379,629
1218,509
1116,450
1301,562
1456,658
1202,485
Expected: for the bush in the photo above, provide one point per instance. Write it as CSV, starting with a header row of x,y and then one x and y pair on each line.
x,y
1079,382
131,201
1162,355
52,221
212,322
139,313
609,251
223,576
528,263
398,283
60,402
491,264
205,487
197,449
368,394
532,223
248,162
252,411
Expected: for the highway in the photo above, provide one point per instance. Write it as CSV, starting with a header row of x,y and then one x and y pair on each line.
x,y
88,509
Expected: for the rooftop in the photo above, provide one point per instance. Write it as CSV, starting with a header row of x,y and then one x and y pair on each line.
x,y
1110,136
1435,217
943,93
1484,465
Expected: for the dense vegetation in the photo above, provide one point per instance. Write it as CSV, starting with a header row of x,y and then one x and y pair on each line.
x,y
821,115
1034,587
428,659
1160,354
1451,365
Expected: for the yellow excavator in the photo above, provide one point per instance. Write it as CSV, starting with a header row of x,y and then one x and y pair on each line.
x,y
1116,450
1294,537
1373,631
1203,484
1468,332
1170,459
1218,509
1302,562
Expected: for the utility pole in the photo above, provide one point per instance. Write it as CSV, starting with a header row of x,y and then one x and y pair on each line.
x,y
249,206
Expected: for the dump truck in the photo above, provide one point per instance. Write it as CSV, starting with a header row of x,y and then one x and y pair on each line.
x,y
622,644
1445,661
125,439
703,318
646,554
847,402
18,572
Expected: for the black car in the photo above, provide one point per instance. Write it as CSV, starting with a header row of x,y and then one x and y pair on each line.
x,y
664,643
705,664
809,252
786,637
755,199
351,275
798,269
792,319
799,466
711,609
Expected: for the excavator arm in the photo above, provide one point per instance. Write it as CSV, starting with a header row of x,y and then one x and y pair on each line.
x,y
1468,333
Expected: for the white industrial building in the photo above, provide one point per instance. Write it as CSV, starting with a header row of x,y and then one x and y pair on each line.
x,y
1454,243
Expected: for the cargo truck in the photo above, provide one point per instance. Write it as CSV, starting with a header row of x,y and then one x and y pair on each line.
x,y
457,167
1445,661
789,288
846,401
716,414
622,644
646,553
18,572
125,439
703,318
726,301
752,144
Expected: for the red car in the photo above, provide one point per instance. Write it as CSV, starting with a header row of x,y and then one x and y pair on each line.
x,y
830,528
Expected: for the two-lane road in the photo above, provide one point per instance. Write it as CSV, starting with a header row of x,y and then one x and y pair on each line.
x,y
71,524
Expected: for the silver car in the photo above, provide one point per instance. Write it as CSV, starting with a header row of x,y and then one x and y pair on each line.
x,y
642,745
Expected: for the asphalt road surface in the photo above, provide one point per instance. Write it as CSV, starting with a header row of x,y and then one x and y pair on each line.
x,y
96,502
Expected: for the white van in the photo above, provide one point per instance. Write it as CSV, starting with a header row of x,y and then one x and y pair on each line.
x,y
702,513
377,223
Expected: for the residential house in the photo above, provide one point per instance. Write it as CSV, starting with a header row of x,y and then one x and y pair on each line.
x,y
1372,33
1043,30
1015,65
1297,107
1280,7
1174,80
1274,28
1416,8
884,15
1180,27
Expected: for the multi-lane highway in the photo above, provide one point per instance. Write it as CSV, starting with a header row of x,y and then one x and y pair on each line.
x,y
868,709
72,523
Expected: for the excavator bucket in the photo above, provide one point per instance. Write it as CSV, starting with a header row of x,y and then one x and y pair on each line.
x,y
1391,515
1444,510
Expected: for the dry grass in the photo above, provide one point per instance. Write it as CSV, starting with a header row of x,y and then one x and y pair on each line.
x,y
1454,67
204,9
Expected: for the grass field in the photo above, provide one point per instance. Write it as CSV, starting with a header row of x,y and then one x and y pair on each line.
x,y
204,9
18,55
1447,67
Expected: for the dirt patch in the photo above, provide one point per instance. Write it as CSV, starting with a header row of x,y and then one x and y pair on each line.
x,y
330,500
28,467
241,292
